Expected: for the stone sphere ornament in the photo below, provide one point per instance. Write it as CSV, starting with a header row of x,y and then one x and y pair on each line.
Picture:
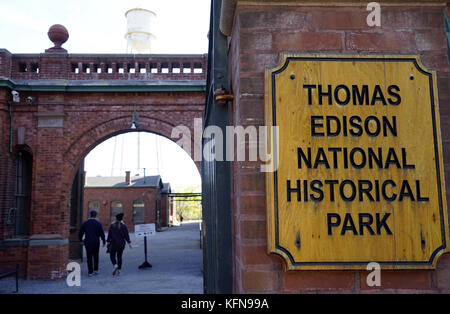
x,y
57,34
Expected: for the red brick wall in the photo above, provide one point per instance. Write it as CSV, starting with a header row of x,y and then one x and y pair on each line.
x,y
6,167
12,255
126,196
47,262
5,62
260,34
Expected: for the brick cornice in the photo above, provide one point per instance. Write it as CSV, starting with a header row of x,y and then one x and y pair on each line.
x,y
229,6
103,86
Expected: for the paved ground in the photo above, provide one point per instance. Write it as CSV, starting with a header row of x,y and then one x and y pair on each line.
x,y
175,254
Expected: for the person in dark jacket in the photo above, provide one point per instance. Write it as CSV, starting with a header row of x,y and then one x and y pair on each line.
x,y
117,237
92,230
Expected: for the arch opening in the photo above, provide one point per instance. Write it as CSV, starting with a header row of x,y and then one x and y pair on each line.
x,y
147,163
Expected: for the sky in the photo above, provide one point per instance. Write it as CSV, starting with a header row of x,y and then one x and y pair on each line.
x,y
157,154
99,26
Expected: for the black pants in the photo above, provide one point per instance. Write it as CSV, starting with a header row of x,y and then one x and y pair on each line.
x,y
113,254
92,258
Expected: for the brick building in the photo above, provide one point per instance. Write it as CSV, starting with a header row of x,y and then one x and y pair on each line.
x,y
143,200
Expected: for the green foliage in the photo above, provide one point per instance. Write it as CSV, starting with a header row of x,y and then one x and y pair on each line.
x,y
189,208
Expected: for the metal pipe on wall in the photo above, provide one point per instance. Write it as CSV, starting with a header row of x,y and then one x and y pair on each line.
x,y
227,16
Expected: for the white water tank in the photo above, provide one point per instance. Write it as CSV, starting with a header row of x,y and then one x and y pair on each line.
x,y
139,34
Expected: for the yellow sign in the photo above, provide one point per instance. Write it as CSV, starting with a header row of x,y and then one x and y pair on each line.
x,y
360,173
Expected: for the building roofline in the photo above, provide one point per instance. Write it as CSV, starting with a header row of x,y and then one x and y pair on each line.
x,y
107,55
104,85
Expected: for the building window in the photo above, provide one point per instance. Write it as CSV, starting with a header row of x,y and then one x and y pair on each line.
x,y
138,212
116,208
93,205
24,164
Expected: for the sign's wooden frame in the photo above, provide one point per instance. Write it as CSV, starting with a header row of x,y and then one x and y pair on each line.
x,y
273,228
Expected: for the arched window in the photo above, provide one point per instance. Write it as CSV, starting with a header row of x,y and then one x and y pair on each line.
x,y
24,166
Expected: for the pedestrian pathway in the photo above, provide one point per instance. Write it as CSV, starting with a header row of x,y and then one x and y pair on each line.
x,y
175,255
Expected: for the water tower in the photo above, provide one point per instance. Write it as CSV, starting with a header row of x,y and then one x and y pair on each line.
x,y
139,30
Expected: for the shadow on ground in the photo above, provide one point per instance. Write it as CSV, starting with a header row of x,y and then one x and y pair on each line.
x,y
175,255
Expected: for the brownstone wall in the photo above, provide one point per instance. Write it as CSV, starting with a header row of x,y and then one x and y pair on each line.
x,y
260,34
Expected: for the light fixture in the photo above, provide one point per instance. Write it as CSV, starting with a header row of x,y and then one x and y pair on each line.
x,y
16,96
30,100
134,118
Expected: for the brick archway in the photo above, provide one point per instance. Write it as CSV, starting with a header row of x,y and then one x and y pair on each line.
x,y
50,208
50,212
62,114
82,145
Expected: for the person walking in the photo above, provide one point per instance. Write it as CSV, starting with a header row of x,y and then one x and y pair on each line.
x,y
92,230
117,237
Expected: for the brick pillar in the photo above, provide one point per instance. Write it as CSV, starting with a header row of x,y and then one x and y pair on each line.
x,y
54,65
5,63
7,170
48,247
260,33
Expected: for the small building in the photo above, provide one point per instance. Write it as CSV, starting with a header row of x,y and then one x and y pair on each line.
x,y
139,198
